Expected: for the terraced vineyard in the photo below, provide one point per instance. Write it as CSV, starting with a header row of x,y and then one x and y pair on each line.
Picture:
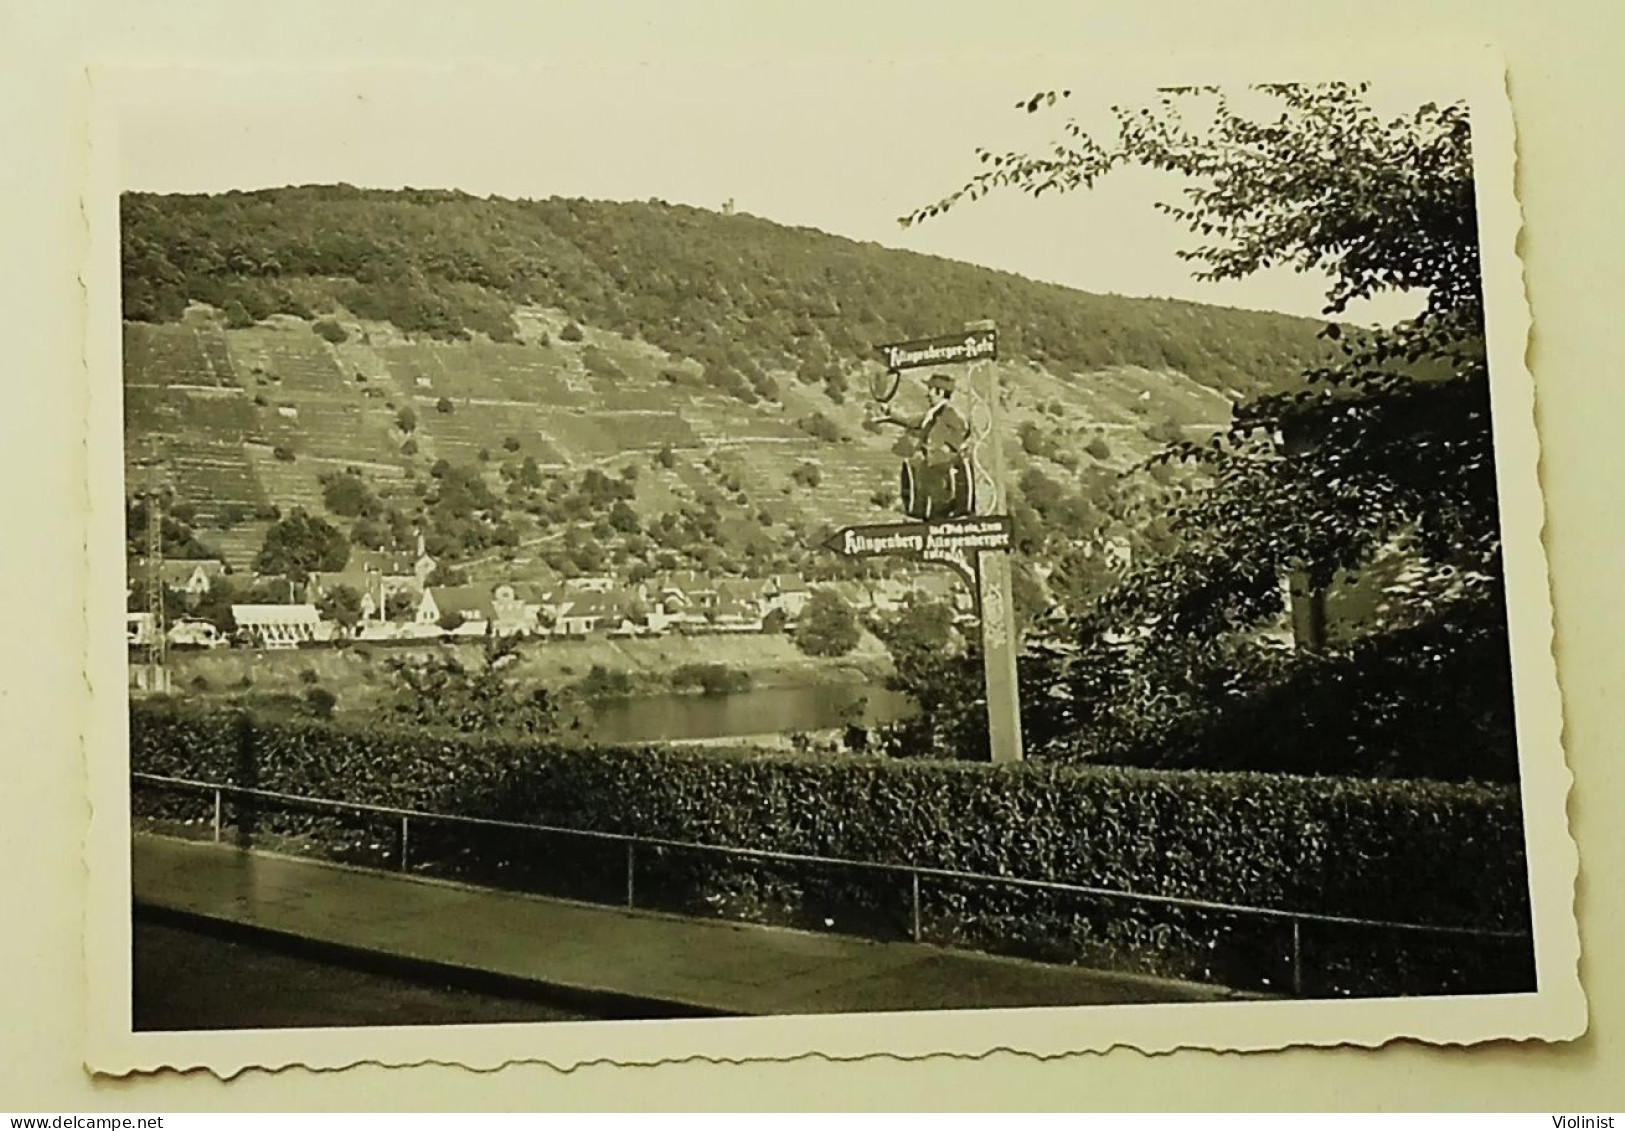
x,y
176,354
213,476
291,356
240,545
224,409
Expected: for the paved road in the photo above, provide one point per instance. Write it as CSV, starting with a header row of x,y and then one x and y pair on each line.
x,y
189,980
609,961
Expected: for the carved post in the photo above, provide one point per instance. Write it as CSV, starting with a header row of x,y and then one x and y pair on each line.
x,y
998,612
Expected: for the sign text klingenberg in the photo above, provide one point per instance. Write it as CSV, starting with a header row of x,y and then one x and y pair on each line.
x,y
973,345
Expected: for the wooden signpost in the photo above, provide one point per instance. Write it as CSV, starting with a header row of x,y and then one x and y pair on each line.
x,y
954,490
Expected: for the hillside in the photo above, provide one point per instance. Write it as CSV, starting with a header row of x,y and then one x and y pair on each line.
x,y
503,374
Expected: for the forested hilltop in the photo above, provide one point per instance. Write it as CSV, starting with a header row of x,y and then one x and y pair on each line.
x,y
744,297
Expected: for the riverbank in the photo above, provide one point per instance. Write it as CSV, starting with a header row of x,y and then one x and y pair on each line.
x,y
360,679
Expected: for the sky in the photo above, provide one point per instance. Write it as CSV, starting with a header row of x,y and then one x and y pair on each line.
x,y
843,148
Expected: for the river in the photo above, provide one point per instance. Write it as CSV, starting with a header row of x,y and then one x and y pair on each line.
x,y
768,710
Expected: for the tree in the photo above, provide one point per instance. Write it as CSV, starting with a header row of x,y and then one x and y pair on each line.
x,y
484,697
828,626
342,605
807,474
215,606
320,702
941,672
446,575
347,494
406,420
623,518
1385,445
302,544
176,604
444,405
400,605
820,427
330,330
178,539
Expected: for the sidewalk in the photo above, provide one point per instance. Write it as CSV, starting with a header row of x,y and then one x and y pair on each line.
x,y
623,963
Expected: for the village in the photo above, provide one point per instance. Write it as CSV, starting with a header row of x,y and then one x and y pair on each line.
x,y
382,597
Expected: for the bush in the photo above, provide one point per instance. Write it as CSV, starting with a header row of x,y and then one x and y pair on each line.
x,y
284,454
320,702
1098,448
444,405
828,626
571,333
330,331
710,679
821,427
1422,852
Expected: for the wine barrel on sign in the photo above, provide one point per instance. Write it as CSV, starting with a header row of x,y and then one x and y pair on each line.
x,y
937,490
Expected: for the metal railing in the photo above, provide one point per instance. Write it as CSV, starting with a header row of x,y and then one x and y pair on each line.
x,y
1296,920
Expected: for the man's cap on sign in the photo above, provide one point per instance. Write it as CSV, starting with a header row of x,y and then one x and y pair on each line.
x,y
940,381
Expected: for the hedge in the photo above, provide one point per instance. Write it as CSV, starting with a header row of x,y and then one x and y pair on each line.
x,y
1408,851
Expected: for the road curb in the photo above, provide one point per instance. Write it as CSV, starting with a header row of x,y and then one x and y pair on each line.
x,y
600,1002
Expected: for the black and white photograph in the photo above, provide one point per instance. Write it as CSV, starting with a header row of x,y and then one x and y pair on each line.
x,y
647,546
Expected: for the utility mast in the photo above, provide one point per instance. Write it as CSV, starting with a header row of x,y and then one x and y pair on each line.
x,y
157,645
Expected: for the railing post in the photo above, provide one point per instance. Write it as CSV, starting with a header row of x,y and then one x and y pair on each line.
x,y
1297,958
631,872
405,842
217,814
915,917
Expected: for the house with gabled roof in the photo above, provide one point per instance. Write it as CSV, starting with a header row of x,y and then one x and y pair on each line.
x,y
854,593
750,590
940,585
788,593
194,578
471,603
732,615
687,588
518,608
584,613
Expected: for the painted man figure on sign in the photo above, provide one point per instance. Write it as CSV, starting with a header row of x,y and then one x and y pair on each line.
x,y
936,479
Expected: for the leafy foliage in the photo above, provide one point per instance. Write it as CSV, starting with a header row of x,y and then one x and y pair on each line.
x,y
347,494
342,605
1385,449
941,671
441,691
177,538
1408,851
828,626
302,544
741,296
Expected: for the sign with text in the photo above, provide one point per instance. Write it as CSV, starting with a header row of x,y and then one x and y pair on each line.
x,y
930,541
950,349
